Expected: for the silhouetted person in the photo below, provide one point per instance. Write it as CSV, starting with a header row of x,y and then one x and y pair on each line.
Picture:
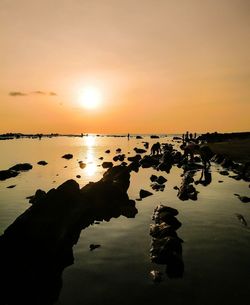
x,y
191,136
156,149
128,136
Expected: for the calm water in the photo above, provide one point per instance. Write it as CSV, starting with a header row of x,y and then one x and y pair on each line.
x,y
216,247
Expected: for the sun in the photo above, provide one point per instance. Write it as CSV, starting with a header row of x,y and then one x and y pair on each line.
x,y
90,97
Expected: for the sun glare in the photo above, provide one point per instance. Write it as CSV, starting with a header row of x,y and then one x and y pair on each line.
x,y
90,97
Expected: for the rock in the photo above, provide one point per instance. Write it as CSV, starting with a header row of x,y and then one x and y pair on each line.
x,y
6,174
157,187
21,167
224,173
134,158
107,164
118,150
11,186
78,176
67,156
153,178
176,187
161,180
156,276
42,163
38,245
144,193
82,164
138,137
139,150
244,199
93,247
187,190
220,181
154,137
107,151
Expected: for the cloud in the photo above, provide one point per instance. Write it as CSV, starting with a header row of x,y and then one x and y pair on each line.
x,y
17,93
39,92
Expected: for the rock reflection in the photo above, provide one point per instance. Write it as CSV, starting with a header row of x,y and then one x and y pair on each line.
x,y
36,248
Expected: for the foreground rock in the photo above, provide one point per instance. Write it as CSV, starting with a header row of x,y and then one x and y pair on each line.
x,y
145,193
166,246
36,248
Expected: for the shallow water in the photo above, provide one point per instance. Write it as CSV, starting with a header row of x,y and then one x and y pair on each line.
x,y
216,246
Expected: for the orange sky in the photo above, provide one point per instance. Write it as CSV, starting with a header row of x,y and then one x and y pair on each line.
x,y
162,66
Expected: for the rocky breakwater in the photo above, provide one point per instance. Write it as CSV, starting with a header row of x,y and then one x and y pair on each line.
x,y
166,247
37,246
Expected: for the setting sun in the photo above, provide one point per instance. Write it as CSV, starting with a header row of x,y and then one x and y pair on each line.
x,y
90,97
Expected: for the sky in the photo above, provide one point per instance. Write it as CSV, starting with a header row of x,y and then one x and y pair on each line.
x,y
160,66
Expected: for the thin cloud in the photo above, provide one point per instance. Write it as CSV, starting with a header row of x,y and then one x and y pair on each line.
x,y
39,92
17,93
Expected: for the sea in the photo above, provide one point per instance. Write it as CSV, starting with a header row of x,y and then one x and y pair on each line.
x,y
216,247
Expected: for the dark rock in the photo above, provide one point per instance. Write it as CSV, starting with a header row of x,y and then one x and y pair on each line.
x,y
224,173
157,187
187,190
153,178
175,187
161,180
37,246
154,137
139,150
11,186
21,167
6,174
67,156
135,158
138,137
107,151
107,164
42,163
118,150
93,247
244,199
145,193
78,176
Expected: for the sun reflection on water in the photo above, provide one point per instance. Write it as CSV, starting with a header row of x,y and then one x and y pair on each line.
x,y
91,167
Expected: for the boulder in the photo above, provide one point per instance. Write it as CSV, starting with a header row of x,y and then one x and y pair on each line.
x,y
42,163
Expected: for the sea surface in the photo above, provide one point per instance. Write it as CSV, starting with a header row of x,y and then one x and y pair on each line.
x,y
216,248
